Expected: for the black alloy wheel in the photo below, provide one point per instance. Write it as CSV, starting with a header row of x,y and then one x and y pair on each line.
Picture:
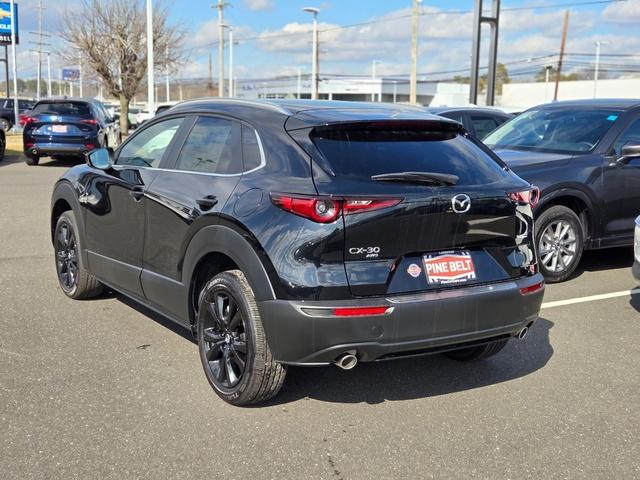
x,y
74,279
5,124
224,339
66,249
232,343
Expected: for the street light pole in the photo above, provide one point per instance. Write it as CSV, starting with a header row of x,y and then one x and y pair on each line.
x,y
413,82
231,62
150,62
220,8
49,91
299,82
314,54
597,67
168,85
373,79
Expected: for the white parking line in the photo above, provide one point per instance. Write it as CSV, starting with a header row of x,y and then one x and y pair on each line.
x,y
592,298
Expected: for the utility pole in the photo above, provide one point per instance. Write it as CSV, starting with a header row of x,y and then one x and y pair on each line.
x,y
60,82
547,68
231,80
492,21
150,61
210,85
395,90
299,83
413,82
565,27
220,6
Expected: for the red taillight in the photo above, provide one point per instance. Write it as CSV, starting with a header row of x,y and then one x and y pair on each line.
x,y
530,196
25,119
89,146
89,121
29,145
328,209
532,288
360,311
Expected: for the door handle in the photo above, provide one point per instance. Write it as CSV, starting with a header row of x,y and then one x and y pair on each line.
x,y
208,202
137,193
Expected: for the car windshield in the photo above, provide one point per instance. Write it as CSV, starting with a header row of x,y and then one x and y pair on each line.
x,y
553,130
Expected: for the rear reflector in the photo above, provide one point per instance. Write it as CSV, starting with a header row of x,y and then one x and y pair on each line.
x,y
89,146
90,121
532,288
360,311
353,205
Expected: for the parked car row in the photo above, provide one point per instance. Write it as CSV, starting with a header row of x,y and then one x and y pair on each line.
x,y
317,233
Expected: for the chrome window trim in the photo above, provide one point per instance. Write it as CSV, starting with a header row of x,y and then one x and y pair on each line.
x,y
263,163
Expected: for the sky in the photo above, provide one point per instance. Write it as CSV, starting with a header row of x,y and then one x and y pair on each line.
x,y
274,36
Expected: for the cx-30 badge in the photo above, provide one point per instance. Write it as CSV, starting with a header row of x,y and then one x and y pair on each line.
x,y
461,203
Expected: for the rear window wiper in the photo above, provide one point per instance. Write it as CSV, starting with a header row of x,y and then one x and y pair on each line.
x,y
427,178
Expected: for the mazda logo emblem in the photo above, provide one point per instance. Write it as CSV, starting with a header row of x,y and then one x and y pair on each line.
x,y
461,203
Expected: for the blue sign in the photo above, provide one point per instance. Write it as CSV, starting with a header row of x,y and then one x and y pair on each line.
x,y
5,22
70,74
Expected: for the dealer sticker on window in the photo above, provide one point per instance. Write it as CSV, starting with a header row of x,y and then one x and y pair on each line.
x,y
449,267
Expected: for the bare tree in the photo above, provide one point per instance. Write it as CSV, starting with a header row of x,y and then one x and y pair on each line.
x,y
111,38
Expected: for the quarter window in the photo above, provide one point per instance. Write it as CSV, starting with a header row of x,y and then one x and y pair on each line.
x,y
483,125
250,149
209,148
147,148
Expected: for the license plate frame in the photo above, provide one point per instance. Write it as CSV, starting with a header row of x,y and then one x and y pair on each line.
x,y
59,129
452,267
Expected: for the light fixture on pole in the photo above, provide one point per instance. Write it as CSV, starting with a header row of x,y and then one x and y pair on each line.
x,y
597,67
314,54
373,79
150,62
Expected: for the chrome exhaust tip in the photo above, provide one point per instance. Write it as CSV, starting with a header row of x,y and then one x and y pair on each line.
x,y
346,361
523,333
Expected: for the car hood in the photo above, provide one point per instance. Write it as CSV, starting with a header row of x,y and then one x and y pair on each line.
x,y
517,159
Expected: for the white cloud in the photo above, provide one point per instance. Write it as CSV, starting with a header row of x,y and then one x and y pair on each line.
x,y
259,4
623,13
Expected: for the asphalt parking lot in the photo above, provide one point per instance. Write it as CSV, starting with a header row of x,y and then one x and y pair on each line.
x,y
106,389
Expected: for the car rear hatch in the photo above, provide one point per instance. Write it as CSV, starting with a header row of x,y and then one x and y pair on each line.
x,y
442,212
61,122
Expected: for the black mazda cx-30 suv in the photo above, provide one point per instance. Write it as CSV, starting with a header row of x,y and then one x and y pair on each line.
x,y
304,233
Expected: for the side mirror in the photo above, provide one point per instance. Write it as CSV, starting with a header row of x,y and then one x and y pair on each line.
x,y
629,151
100,159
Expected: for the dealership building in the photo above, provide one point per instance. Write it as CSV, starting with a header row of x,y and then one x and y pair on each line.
x,y
355,88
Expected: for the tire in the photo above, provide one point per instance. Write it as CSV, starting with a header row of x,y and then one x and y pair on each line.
x,y
5,124
232,344
480,352
77,283
559,234
31,160
3,146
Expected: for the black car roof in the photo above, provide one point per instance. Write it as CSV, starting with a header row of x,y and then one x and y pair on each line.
x,y
438,110
313,112
623,103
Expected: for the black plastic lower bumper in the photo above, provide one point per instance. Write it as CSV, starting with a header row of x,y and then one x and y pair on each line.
x,y
423,322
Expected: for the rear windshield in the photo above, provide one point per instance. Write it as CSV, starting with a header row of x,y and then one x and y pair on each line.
x,y
62,108
363,153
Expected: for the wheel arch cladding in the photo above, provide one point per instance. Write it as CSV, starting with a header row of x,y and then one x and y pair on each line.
x,y
577,201
223,244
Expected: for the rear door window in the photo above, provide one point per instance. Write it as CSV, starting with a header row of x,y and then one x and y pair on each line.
x,y
484,125
209,148
75,109
251,151
363,153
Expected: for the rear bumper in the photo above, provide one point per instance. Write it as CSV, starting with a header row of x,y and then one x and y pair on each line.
x,y
44,149
418,323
